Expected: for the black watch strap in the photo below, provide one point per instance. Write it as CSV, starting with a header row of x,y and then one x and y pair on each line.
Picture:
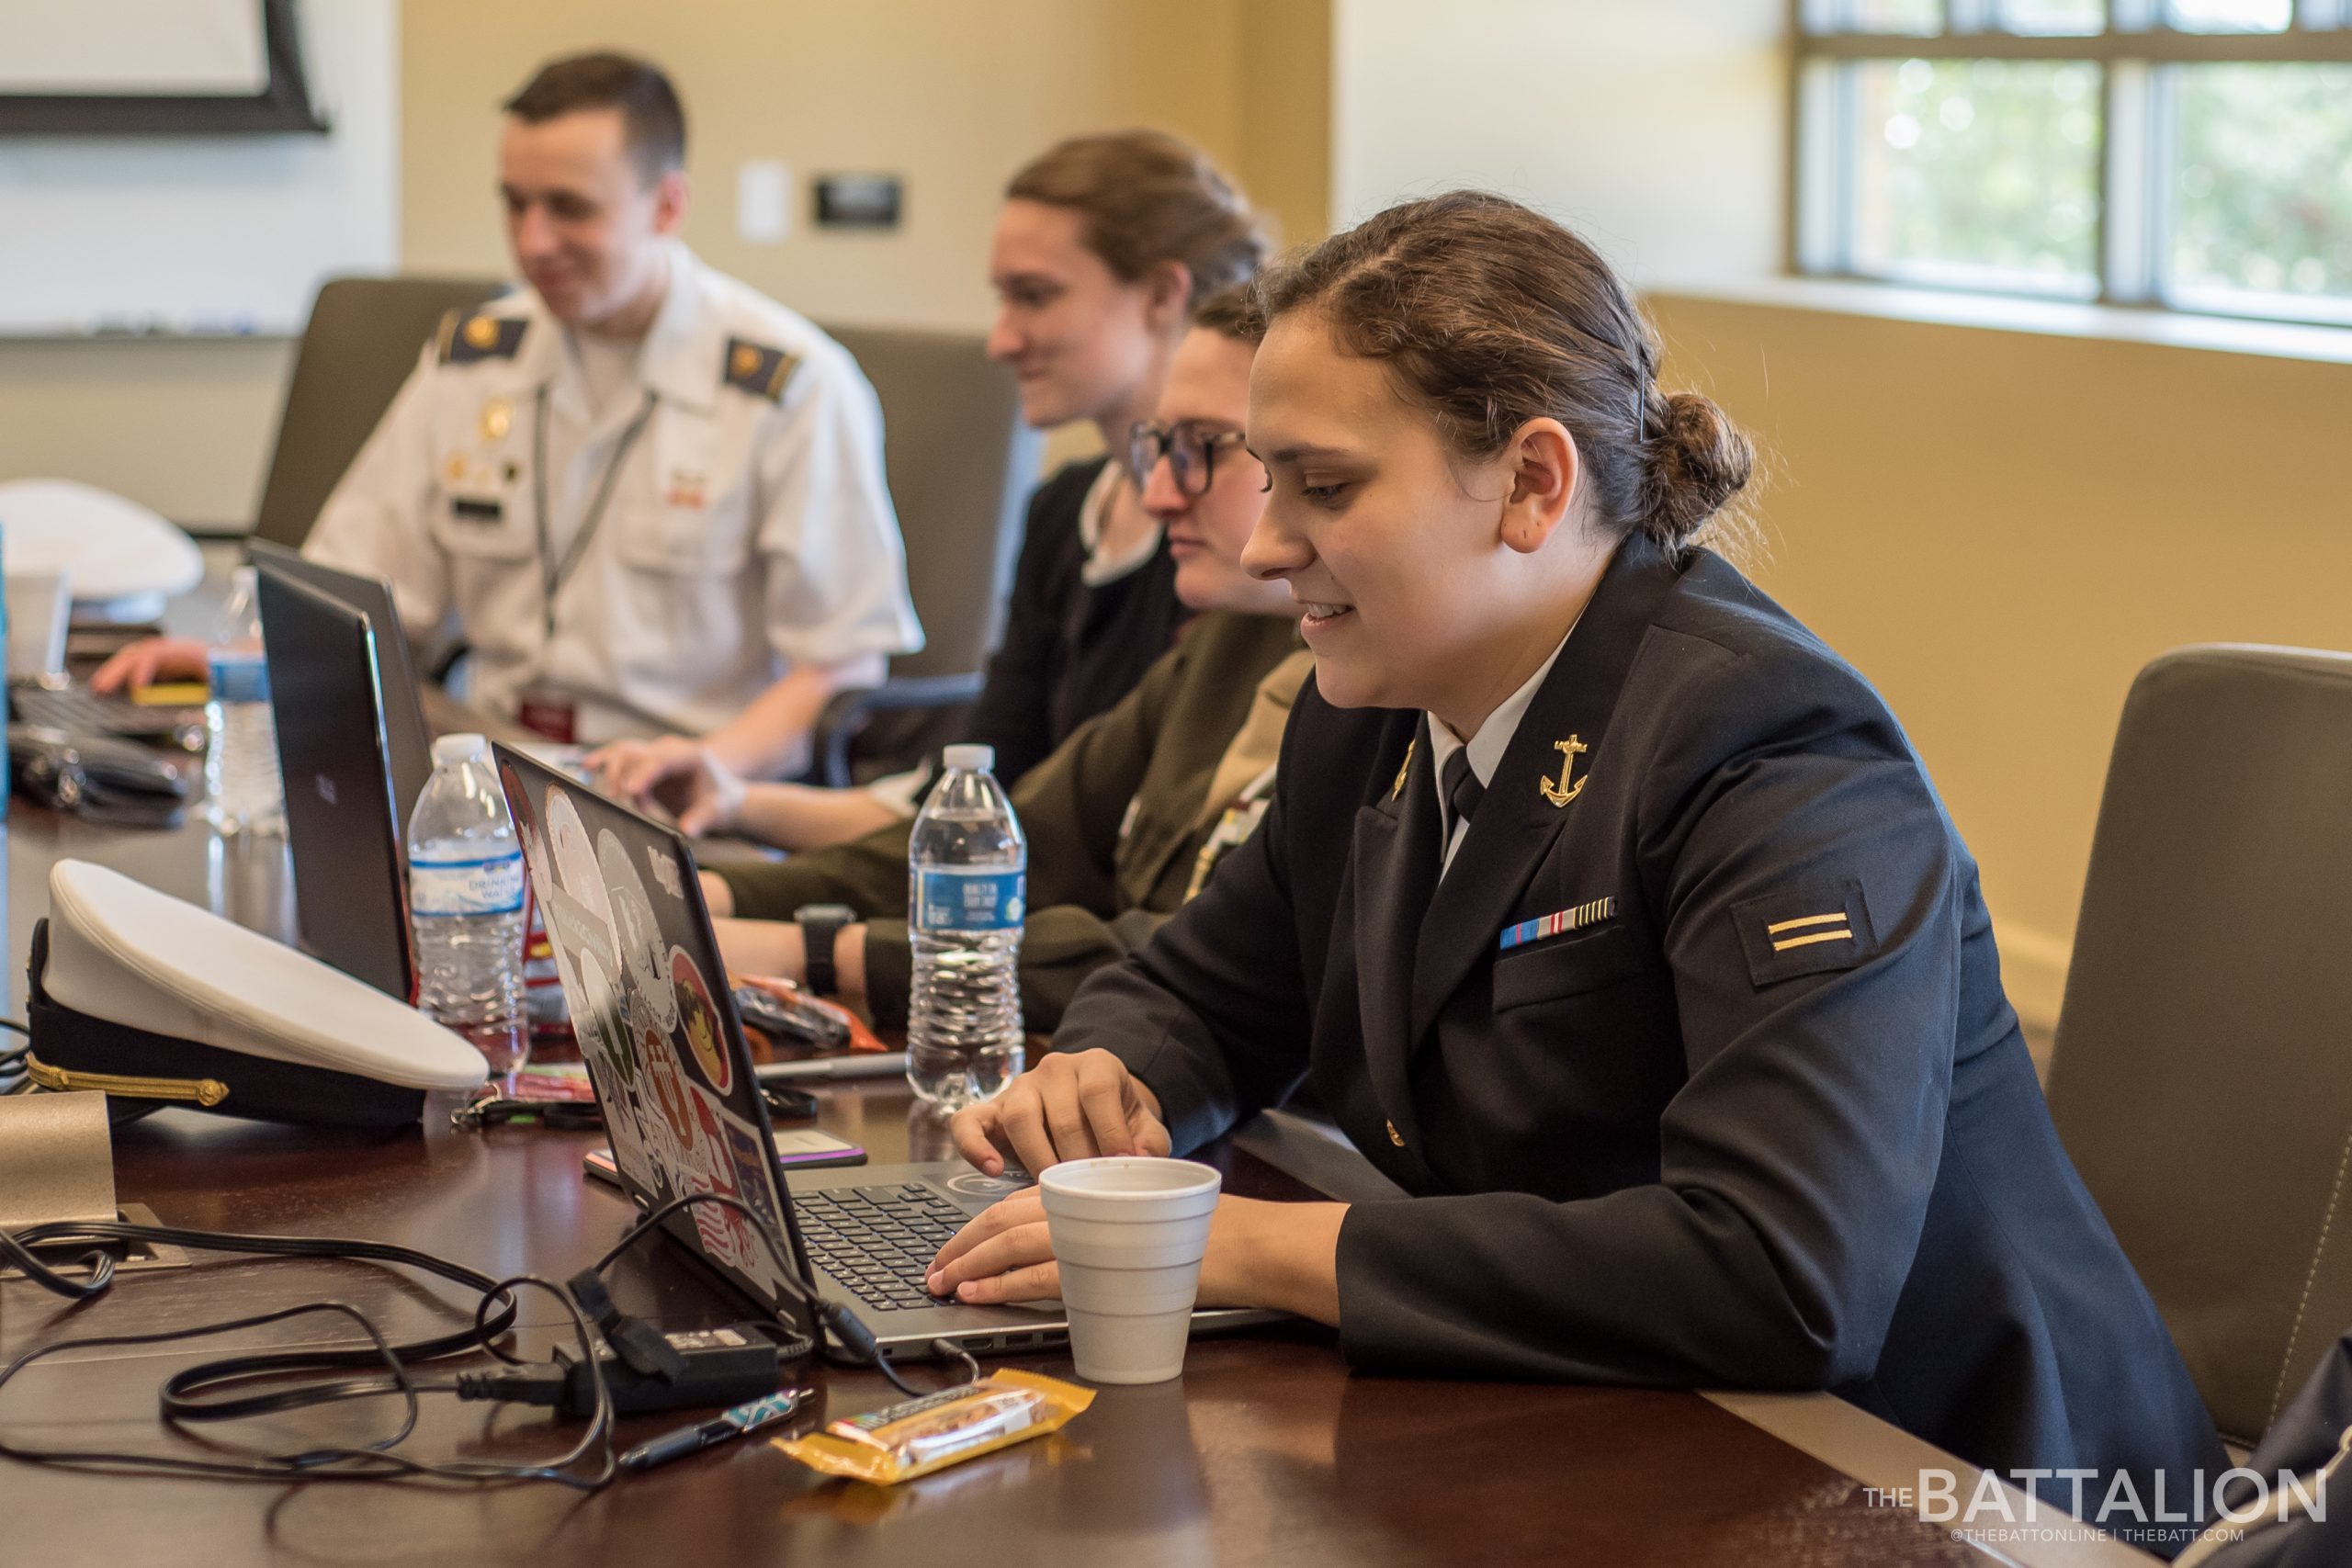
x,y
821,924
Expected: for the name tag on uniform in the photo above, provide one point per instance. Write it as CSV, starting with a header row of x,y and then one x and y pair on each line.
x,y
550,714
476,508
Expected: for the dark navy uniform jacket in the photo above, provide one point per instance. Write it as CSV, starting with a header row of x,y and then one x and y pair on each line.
x,y
1675,1143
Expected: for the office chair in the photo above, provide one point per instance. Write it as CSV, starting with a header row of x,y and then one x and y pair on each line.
x,y
362,341
2202,1074
960,464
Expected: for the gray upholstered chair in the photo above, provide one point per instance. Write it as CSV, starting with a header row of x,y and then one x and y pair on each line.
x,y
362,341
2202,1073
960,465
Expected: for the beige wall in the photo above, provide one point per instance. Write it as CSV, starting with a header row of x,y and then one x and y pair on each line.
x,y
950,93
952,97
1999,528
182,425
1284,133
1654,128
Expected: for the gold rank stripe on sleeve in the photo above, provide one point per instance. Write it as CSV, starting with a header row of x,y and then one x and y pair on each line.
x,y
1845,933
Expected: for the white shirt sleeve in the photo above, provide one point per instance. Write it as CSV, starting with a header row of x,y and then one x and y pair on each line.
x,y
378,520
827,537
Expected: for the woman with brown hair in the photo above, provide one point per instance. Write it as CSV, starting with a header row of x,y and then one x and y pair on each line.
x,y
1608,910
1104,246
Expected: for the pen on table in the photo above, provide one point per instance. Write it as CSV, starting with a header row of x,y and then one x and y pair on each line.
x,y
742,1421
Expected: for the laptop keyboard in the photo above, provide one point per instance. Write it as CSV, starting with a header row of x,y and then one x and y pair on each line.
x,y
79,711
877,1241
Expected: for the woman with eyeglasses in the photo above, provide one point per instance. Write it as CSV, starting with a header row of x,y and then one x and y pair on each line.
x,y
1610,913
1129,816
1104,246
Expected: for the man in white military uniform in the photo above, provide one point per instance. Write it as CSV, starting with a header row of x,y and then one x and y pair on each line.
x,y
653,499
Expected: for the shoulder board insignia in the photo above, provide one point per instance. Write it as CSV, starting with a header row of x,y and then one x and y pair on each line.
x,y
759,370
466,338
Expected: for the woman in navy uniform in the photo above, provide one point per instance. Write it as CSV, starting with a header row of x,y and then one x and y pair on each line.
x,y
1608,910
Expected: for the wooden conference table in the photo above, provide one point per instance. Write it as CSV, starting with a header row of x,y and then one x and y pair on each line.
x,y
1266,1451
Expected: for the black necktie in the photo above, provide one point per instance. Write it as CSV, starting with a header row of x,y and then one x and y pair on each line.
x,y
1462,790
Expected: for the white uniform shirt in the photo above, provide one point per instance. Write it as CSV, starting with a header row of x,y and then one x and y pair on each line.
x,y
748,527
1486,750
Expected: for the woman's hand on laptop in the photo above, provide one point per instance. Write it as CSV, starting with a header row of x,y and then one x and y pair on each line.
x,y
152,660
1069,1106
681,776
1260,1255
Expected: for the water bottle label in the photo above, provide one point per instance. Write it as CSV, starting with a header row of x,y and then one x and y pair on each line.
x,y
240,678
970,900
492,886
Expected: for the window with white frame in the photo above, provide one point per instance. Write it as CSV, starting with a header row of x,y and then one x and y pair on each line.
x,y
2189,153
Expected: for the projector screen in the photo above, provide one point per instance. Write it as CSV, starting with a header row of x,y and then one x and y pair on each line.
x,y
190,230
143,47
151,68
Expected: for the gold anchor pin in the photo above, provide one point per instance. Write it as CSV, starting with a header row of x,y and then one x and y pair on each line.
x,y
1403,768
1564,792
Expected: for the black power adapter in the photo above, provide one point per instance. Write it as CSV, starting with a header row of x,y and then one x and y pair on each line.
x,y
722,1367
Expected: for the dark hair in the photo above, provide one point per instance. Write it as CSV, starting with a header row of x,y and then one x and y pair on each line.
x,y
1489,314
653,120
1232,313
1147,198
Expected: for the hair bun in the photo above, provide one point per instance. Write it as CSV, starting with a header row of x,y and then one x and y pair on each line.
x,y
1696,460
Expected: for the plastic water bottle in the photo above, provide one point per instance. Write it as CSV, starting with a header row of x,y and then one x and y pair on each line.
x,y
967,874
241,784
465,901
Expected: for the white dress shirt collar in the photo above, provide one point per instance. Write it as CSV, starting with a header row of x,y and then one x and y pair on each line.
x,y
1486,747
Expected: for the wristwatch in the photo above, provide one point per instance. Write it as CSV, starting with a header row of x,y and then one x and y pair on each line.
x,y
820,924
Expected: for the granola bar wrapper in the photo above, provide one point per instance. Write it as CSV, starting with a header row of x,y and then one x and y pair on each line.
x,y
916,1437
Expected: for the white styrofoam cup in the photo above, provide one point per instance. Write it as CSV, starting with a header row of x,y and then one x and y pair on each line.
x,y
1129,1234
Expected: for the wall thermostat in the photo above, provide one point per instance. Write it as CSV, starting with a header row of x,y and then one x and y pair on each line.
x,y
857,202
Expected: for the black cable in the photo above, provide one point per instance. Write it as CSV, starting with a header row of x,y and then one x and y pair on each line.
x,y
180,1400
182,1394
375,1461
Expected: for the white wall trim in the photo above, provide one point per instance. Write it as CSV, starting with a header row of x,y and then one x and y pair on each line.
x,y
2011,313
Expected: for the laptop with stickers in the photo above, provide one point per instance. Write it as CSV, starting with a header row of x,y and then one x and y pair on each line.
x,y
665,1051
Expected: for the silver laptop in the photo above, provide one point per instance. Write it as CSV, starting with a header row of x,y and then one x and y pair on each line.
x,y
665,1052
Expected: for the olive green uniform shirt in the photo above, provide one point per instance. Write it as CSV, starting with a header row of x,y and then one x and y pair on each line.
x,y
1124,820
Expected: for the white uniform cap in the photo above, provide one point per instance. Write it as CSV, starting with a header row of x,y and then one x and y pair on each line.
x,y
128,955
119,560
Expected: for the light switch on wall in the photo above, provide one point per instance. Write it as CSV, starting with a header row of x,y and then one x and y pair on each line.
x,y
762,202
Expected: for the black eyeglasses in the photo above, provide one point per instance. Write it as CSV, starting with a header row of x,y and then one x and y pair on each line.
x,y
1191,452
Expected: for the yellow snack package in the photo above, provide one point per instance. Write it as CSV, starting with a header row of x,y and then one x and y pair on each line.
x,y
916,1437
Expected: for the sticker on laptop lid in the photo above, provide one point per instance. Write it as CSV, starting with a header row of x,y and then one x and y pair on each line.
x,y
699,1017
